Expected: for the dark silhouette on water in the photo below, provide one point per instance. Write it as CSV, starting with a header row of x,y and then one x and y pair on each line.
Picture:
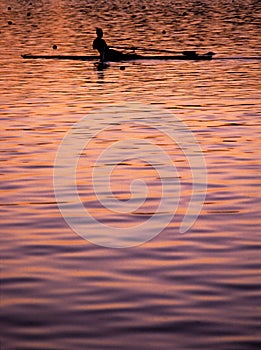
x,y
100,45
106,54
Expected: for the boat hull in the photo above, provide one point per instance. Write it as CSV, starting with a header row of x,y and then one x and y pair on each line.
x,y
127,57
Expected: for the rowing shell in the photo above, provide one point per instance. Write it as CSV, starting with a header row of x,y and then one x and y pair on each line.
x,y
127,57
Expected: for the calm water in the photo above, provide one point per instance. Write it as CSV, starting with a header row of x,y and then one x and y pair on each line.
x,y
198,290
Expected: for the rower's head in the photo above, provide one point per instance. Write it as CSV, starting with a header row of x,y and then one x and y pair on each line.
x,y
99,32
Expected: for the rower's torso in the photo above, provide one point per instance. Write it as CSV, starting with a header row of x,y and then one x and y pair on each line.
x,y
100,45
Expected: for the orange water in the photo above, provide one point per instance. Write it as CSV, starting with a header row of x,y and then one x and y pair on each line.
x,y
197,290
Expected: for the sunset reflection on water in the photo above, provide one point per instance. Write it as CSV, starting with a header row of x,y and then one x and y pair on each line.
x,y
197,290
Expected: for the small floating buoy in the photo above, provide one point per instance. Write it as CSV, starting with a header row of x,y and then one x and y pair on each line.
x,y
164,32
10,23
54,47
9,8
122,67
28,14
143,7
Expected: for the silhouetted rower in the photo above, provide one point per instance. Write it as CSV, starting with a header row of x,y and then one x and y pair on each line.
x,y
106,54
100,44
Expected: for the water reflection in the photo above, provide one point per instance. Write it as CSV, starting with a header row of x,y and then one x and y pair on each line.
x,y
197,290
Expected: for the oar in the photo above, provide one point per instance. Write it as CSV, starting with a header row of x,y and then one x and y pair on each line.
x,y
153,50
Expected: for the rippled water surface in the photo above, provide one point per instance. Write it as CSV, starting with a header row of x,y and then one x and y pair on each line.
x,y
197,290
